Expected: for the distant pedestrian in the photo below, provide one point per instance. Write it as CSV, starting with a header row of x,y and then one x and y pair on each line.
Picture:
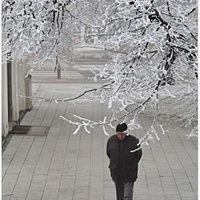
x,y
123,161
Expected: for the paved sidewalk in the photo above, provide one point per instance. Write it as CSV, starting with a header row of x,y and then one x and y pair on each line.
x,y
63,166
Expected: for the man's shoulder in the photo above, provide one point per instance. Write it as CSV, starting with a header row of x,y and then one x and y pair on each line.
x,y
132,137
113,137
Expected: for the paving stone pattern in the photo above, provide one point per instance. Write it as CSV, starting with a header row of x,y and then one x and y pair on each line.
x,y
63,166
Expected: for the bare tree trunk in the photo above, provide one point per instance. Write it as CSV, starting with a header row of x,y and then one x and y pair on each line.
x,y
58,68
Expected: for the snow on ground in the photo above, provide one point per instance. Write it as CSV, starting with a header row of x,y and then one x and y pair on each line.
x,y
170,108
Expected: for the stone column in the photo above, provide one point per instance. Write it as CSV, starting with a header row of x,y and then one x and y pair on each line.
x,y
28,92
4,86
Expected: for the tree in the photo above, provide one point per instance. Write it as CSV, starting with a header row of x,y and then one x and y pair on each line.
x,y
155,42
41,30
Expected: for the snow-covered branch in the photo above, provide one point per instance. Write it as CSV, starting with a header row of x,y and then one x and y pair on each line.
x,y
155,45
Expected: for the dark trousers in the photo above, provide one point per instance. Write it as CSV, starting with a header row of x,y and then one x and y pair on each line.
x,y
124,190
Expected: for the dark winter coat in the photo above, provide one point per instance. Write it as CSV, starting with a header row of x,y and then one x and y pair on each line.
x,y
123,163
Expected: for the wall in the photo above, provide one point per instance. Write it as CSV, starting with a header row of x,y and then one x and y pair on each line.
x,y
18,90
5,126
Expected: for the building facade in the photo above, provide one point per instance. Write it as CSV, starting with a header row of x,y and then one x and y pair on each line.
x,y
16,87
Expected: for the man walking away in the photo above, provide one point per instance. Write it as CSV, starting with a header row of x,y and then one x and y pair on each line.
x,y
123,161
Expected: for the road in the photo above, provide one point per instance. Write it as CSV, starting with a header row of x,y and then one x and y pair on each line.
x,y
76,73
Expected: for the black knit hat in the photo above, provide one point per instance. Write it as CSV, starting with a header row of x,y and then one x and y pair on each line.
x,y
121,127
